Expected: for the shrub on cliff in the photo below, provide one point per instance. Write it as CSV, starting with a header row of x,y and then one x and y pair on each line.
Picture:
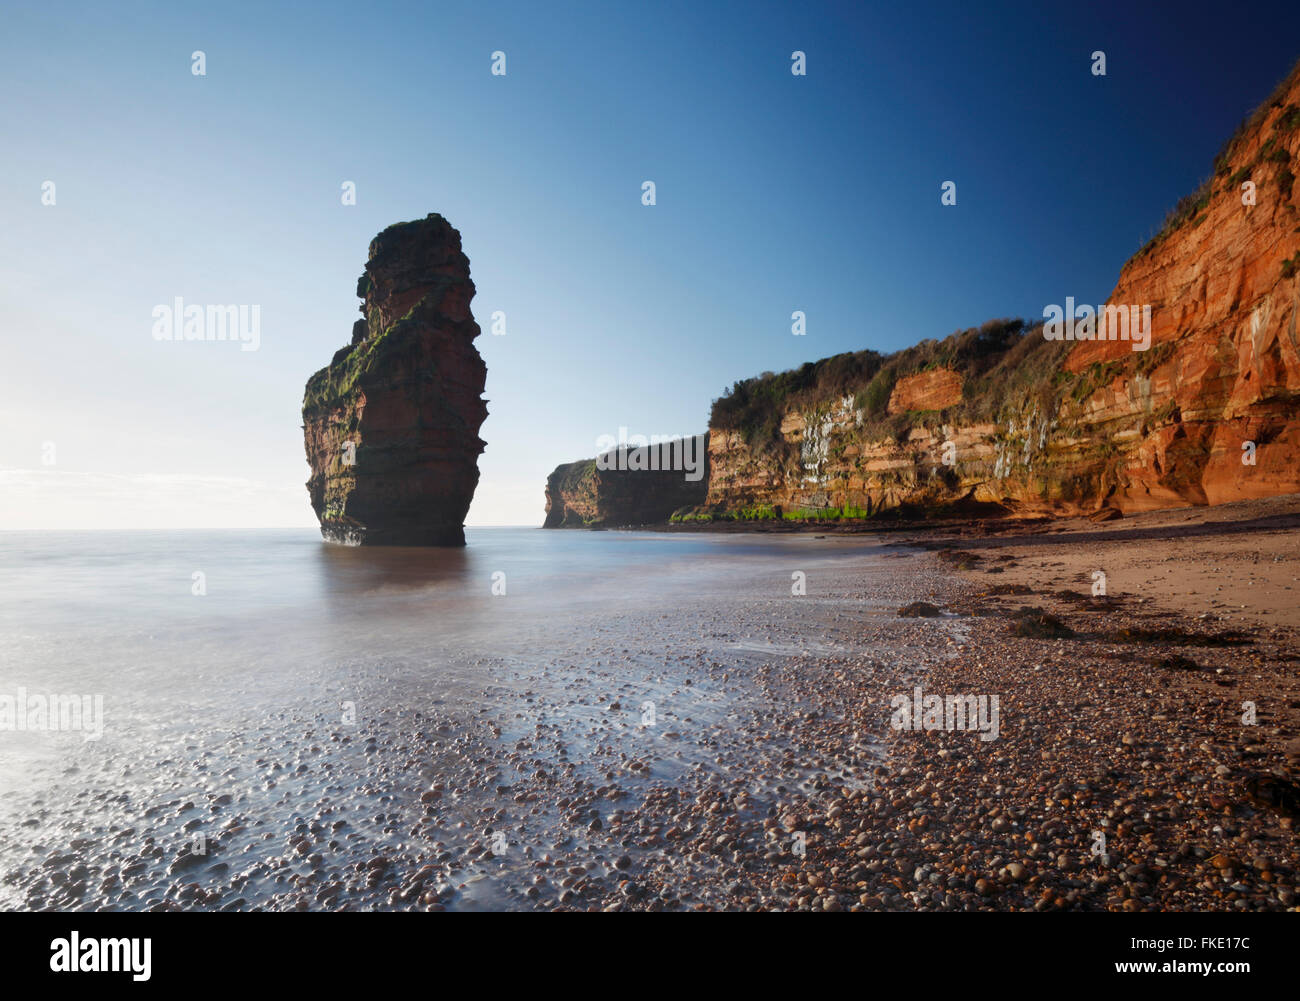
x,y
1001,362
1190,206
754,407
873,400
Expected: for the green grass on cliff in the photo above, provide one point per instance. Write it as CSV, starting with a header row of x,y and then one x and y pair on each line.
x,y
754,512
874,400
845,513
767,512
572,475
1190,207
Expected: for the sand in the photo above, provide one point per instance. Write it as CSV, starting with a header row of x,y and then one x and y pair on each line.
x,y
1236,563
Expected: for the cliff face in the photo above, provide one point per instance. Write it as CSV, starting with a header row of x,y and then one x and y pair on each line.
x,y
582,495
391,424
1225,299
930,390
1003,419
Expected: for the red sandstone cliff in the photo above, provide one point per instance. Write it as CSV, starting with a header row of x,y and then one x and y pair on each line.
x,y
1004,418
391,424
1224,300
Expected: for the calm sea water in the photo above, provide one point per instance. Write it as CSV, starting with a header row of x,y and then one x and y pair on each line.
x,y
198,689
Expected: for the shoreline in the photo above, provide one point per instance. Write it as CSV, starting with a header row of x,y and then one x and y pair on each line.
x,y
1284,508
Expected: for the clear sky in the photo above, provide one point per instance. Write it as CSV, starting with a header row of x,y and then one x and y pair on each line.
x,y
775,193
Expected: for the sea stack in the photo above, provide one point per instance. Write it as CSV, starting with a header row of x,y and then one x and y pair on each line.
x,y
391,424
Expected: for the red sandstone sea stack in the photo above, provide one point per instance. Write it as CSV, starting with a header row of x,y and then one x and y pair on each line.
x,y
391,424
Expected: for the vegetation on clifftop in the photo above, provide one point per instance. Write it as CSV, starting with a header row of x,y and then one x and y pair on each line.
x,y
1004,364
1191,207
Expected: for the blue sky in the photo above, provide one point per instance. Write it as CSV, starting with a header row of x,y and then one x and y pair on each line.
x,y
775,193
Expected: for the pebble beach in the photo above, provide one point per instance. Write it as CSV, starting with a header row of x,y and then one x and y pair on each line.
x,y
728,747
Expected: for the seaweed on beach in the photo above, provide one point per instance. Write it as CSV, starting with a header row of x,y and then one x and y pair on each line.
x,y
1088,602
1179,637
958,560
919,609
1019,589
1035,623
1273,792
1175,662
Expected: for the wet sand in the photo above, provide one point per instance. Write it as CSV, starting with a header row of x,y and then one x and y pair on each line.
x,y
1235,563
577,764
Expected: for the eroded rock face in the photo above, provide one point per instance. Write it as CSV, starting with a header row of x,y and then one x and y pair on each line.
x,y
932,390
391,424
1095,425
581,495
1224,364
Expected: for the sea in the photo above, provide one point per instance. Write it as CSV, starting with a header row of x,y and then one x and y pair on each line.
x,y
162,691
